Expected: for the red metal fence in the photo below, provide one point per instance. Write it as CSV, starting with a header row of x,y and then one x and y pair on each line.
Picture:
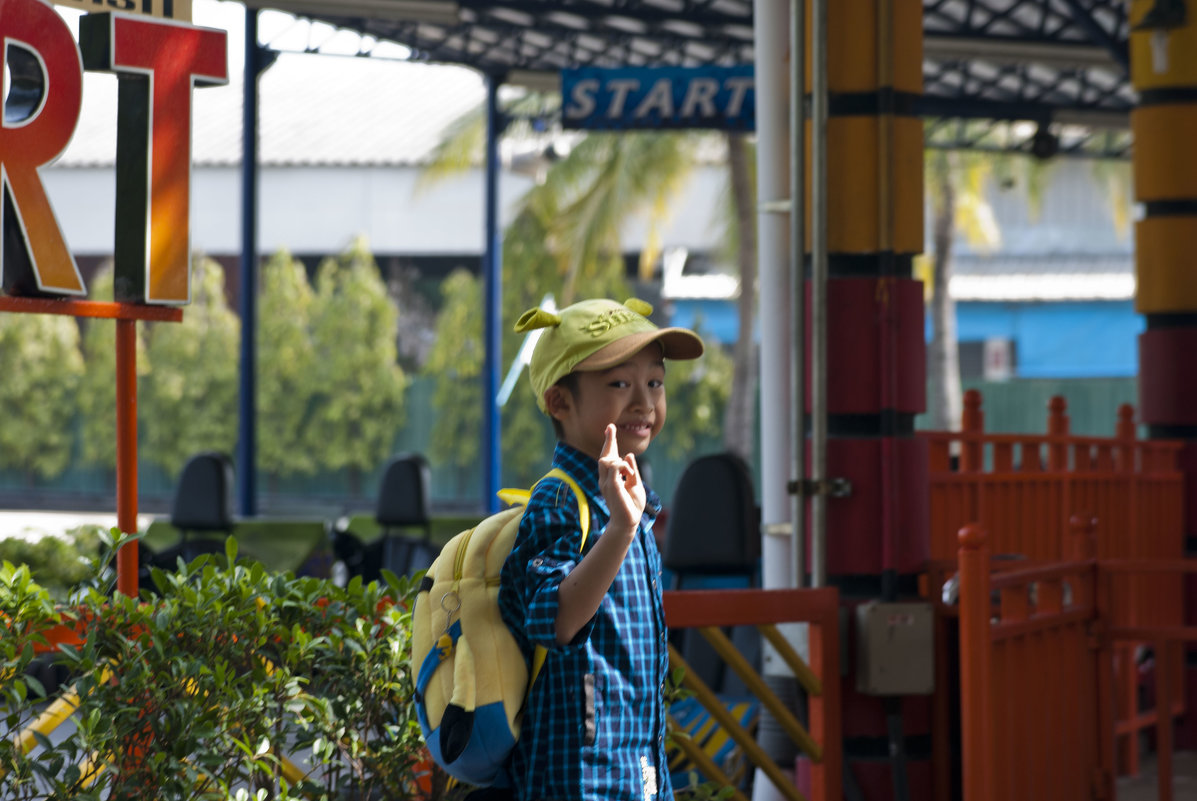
x,y
1034,688
765,609
1037,669
1024,489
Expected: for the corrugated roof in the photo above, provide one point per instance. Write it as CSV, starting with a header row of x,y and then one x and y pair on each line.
x,y
1043,60
1099,276
313,110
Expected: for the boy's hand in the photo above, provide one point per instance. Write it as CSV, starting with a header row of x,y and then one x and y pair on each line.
x,y
621,485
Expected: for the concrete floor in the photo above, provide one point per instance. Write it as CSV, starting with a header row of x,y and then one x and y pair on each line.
x,y
1145,786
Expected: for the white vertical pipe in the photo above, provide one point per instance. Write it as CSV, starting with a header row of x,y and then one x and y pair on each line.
x,y
818,236
797,289
771,30
772,159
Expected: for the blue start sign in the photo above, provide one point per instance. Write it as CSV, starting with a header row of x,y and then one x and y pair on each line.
x,y
659,97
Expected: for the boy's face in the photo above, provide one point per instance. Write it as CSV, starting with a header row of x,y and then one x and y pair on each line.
x,y
631,395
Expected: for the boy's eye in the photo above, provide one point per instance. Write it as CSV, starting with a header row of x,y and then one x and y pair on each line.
x,y
656,383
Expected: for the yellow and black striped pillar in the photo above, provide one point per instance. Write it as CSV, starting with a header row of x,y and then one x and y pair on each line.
x,y
876,537
1164,123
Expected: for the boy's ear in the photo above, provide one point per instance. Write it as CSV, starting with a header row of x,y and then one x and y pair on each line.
x,y
557,401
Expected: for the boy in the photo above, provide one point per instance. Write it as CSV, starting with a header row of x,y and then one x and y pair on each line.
x,y
594,724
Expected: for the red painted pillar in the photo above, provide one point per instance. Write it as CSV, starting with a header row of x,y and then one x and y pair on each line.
x,y
877,537
1164,74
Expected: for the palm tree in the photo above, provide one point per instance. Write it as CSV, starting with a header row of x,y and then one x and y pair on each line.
x,y
580,205
740,420
956,182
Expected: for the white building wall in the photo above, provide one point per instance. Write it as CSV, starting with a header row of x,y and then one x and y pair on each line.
x,y
320,209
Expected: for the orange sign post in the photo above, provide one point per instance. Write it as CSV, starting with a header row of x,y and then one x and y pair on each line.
x,y
158,62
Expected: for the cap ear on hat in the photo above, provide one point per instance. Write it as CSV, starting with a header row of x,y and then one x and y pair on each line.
x,y
641,307
536,318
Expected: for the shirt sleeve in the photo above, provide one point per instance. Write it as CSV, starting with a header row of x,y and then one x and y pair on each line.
x,y
547,548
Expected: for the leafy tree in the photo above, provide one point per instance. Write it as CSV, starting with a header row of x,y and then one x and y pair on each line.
x,y
564,240
565,237
188,400
359,401
739,424
606,180
956,184
41,364
456,361
97,389
286,375
1116,177
698,393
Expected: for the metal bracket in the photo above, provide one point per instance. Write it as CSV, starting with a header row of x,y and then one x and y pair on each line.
x,y
832,487
778,529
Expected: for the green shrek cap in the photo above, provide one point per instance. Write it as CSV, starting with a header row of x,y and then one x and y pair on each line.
x,y
595,335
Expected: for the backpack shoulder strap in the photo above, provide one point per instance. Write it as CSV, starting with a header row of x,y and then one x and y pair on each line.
x,y
583,504
539,654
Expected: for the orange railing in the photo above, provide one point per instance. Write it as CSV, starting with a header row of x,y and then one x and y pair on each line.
x,y
1166,640
1038,650
1035,697
1024,489
765,609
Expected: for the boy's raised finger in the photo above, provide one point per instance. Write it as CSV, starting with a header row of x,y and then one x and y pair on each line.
x,y
609,448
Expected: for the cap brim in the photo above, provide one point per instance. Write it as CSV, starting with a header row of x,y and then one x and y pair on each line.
x,y
676,343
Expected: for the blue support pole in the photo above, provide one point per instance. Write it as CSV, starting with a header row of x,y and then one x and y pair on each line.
x,y
492,298
247,501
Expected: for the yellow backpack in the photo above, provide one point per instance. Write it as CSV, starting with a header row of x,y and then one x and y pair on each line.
x,y
472,680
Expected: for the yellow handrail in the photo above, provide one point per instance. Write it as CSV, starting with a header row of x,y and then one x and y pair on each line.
x,y
723,646
737,732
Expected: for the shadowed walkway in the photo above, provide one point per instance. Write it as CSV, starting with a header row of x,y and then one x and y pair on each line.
x,y
1145,788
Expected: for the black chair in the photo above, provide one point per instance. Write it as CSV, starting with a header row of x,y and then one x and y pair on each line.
x,y
714,533
716,520
713,540
202,503
402,504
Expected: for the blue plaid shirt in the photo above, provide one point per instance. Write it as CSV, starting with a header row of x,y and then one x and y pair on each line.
x,y
594,725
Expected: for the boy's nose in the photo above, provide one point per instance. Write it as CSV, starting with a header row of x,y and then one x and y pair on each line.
x,y
642,398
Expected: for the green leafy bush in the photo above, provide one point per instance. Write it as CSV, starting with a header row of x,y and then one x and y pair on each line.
x,y
58,564
228,681
204,689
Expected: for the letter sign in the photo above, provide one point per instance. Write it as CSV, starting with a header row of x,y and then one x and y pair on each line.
x,y
49,77
158,62
659,97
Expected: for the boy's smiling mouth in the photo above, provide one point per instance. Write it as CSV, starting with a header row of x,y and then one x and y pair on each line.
x,y
636,428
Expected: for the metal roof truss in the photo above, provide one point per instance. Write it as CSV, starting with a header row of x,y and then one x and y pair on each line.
x,y
1061,65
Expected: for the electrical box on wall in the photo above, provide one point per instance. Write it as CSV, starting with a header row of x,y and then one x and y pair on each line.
x,y
895,648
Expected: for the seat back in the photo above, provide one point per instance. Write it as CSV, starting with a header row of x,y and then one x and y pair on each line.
x,y
713,541
714,521
403,501
403,494
203,499
203,502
